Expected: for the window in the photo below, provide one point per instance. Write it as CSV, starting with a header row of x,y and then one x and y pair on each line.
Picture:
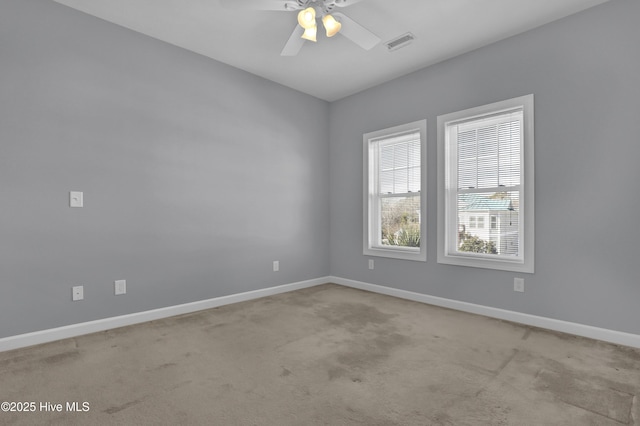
x,y
394,200
480,222
494,222
485,158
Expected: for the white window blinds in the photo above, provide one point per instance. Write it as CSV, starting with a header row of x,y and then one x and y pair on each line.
x,y
399,170
489,152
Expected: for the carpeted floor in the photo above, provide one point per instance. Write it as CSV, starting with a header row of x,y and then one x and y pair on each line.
x,y
327,355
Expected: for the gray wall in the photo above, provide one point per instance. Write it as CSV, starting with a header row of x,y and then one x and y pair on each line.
x,y
196,175
584,71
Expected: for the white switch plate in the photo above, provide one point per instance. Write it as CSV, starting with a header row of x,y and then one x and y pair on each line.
x,y
77,293
276,265
518,285
120,287
371,264
76,199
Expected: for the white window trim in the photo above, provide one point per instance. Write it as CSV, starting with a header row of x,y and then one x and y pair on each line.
x,y
445,254
369,216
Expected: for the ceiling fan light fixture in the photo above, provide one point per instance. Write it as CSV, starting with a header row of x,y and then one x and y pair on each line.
x,y
331,25
310,33
307,18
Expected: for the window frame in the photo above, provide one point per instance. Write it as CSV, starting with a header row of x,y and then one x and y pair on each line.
x,y
447,197
371,223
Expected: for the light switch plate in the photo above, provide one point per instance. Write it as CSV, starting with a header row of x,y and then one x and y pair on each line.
x,y
76,199
120,287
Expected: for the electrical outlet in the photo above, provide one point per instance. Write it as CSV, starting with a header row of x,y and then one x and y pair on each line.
x,y
371,264
77,293
120,287
276,265
76,199
518,285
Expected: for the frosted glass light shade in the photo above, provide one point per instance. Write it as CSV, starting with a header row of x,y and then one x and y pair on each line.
x,y
310,33
331,25
307,18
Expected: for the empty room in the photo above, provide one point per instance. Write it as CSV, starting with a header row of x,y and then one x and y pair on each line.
x,y
319,212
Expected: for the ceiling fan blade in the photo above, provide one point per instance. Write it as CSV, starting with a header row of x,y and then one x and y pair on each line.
x,y
295,42
345,3
356,32
278,5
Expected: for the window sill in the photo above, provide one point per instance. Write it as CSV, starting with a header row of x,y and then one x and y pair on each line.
x,y
397,253
501,265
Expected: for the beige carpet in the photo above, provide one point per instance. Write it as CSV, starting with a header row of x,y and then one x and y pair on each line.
x,y
328,355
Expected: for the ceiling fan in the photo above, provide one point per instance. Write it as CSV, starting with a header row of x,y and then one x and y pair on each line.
x,y
309,11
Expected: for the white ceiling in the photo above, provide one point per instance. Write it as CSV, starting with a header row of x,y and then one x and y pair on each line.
x,y
334,67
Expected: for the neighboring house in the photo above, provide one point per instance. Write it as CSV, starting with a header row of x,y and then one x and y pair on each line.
x,y
491,218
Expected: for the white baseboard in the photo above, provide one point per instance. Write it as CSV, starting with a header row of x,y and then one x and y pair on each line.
x,y
612,336
74,330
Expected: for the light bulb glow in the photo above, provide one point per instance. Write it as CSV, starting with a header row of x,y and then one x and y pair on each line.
x,y
307,18
331,25
310,33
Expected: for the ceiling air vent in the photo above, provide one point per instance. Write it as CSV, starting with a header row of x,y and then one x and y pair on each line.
x,y
399,42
